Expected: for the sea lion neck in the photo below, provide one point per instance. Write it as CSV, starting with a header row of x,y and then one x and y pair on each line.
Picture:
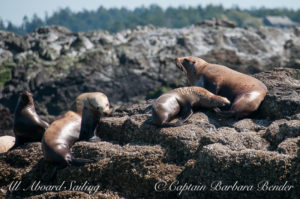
x,y
89,123
24,101
200,67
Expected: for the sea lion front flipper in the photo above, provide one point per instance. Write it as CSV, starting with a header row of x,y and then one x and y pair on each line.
x,y
186,116
94,139
148,109
53,173
89,124
186,113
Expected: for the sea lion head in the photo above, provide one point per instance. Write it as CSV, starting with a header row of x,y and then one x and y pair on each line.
x,y
98,103
25,98
191,66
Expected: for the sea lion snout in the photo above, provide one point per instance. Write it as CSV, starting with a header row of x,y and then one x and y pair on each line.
x,y
178,63
186,63
27,93
25,96
103,108
106,113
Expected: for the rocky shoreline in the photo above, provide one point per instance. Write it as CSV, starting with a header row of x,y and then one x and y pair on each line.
x,y
256,157
53,57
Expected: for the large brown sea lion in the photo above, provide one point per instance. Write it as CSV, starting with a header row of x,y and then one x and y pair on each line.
x,y
182,101
28,127
72,127
245,92
6,143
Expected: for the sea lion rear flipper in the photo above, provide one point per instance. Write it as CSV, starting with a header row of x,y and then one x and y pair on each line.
x,y
81,162
176,124
225,114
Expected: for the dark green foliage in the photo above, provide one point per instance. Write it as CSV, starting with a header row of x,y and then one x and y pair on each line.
x,y
115,20
5,75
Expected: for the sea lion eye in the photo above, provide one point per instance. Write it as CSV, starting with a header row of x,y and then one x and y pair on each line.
x,y
185,62
100,108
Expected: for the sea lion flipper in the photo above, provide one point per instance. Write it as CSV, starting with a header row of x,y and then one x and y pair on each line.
x,y
81,162
185,118
186,113
225,114
148,109
176,124
52,175
94,139
89,124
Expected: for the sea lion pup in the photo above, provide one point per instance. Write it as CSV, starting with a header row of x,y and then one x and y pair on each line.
x,y
6,143
182,101
245,92
72,127
28,126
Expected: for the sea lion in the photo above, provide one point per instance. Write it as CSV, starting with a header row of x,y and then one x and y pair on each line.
x,y
182,101
245,92
28,126
72,127
6,143
79,101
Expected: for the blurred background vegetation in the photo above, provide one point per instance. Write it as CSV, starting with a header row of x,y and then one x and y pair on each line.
x,y
115,19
